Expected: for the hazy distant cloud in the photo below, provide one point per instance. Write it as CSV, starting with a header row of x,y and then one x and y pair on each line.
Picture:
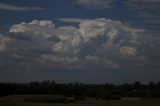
x,y
96,4
9,7
144,1
106,63
72,20
142,4
128,51
94,41
147,11
3,42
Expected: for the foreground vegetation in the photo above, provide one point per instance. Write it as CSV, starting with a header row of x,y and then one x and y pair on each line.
x,y
81,91
49,93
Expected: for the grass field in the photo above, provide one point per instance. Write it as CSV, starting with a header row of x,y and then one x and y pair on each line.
x,y
11,101
101,103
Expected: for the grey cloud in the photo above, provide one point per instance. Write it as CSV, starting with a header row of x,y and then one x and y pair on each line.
x,y
105,63
3,42
126,50
96,4
10,7
150,47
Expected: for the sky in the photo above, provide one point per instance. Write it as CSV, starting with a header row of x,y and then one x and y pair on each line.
x,y
88,41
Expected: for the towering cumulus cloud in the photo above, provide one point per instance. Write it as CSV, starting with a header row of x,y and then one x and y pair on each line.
x,y
94,41
37,28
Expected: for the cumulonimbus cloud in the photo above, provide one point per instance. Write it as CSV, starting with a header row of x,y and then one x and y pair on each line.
x,y
95,40
9,7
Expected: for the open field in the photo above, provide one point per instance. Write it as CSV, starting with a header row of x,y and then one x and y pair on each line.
x,y
108,103
12,101
101,103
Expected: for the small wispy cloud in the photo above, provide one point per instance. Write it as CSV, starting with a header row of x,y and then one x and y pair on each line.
x,y
72,20
9,7
96,4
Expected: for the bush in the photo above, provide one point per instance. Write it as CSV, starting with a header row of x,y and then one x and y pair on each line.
x,y
7,101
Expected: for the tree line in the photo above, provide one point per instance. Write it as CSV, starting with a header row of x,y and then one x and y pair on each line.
x,y
80,90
